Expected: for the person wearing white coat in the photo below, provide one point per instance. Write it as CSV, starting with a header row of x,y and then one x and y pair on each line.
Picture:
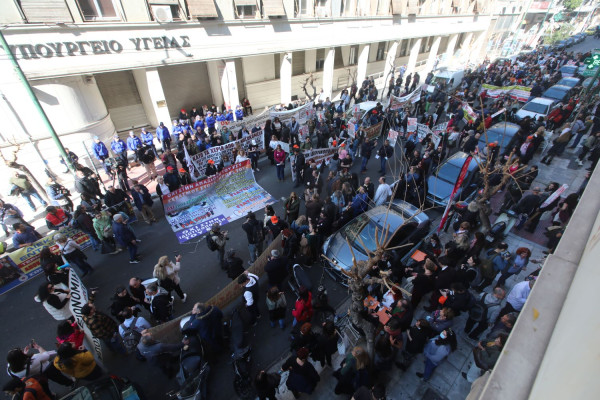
x,y
167,274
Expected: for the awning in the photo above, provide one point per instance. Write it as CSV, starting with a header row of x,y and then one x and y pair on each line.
x,y
273,8
413,7
46,11
202,8
241,3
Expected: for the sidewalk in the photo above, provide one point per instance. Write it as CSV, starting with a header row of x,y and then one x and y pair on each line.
x,y
447,381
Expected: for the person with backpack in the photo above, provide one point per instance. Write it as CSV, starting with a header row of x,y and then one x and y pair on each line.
x,y
255,235
80,364
233,265
491,265
26,389
216,240
484,312
485,356
131,331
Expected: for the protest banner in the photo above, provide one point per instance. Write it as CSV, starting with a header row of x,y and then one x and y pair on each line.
x,y
399,102
200,160
192,209
319,155
284,146
250,122
520,93
303,133
392,137
79,298
411,125
302,113
24,264
373,131
469,114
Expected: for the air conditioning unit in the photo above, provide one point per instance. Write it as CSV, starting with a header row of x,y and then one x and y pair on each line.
x,y
162,13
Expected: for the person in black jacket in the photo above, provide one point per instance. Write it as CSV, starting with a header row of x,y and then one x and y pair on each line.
x,y
299,165
160,303
86,185
386,151
115,196
326,344
416,338
234,265
443,280
255,235
276,269
122,300
303,377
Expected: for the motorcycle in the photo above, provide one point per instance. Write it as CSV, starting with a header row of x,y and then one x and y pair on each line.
x,y
192,376
235,331
502,226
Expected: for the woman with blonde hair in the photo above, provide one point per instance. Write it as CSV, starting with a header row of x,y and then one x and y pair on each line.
x,y
241,156
354,372
167,274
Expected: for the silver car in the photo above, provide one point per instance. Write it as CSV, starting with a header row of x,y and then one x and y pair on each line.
x,y
412,223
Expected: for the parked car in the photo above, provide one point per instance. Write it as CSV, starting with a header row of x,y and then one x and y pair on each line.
x,y
407,223
587,81
108,388
441,182
570,81
537,107
560,45
568,70
558,92
500,133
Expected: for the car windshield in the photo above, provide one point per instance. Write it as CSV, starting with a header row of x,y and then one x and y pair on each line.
x,y
554,93
448,172
567,82
362,229
497,136
439,79
569,69
537,108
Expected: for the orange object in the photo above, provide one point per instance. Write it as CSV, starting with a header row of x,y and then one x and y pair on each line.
x,y
418,256
384,315
442,300
371,302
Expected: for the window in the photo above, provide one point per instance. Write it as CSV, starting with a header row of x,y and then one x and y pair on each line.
x,y
94,10
320,60
165,11
353,57
429,44
322,8
245,12
304,7
380,51
423,45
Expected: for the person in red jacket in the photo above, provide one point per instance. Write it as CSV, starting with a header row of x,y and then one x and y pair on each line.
x,y
56,218
303,310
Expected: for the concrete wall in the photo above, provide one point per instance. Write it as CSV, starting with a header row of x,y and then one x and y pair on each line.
x,y
259,68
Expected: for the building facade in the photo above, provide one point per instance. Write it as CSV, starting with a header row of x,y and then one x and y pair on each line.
x,y
105,66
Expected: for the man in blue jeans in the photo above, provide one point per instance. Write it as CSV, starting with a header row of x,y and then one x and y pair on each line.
x,y
386,151
125,237
21,185
366,149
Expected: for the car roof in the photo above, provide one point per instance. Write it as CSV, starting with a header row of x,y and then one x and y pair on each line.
x,y
511,128
542,100
458,159
568,78
367,105
560,87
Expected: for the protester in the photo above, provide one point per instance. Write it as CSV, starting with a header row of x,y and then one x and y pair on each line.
x,y
303,377
125,237
167,274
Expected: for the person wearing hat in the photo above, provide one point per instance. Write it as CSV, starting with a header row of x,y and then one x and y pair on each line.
x,y
125,237
249,283
148,140
276,225
119,149
239,113
164,136
276,269
211,168
303,377
184,177
100,151
172,179
210,122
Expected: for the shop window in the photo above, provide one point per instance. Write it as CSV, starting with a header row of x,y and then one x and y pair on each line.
x,y
97,10
380,51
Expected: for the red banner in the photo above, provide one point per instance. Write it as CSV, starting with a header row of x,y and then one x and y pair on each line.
x,y
459,181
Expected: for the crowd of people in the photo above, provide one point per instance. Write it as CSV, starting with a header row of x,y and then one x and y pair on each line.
x,y
457,275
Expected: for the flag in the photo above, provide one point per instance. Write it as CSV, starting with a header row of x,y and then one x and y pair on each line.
x,y
459,181
190,164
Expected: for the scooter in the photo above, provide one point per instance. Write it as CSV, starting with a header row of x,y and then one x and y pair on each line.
x,y
505,222
193,369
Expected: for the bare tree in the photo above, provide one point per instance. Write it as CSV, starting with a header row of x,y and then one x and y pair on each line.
x,y
310,81
12,163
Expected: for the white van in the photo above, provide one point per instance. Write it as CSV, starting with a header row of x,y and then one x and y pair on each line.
x,y
446,75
